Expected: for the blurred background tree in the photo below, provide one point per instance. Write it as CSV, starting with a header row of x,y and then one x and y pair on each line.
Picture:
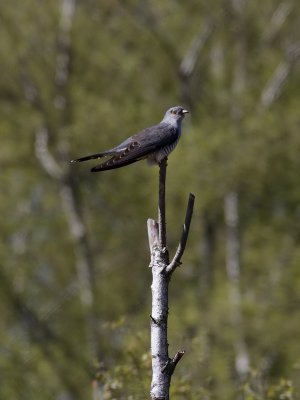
x,y
80,76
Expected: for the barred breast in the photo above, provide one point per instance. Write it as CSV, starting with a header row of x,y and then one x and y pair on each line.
x,y
158,156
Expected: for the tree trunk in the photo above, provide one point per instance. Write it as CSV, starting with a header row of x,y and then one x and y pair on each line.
x,y
233,272
162,365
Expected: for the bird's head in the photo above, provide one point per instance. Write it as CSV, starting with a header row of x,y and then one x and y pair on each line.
x,y
175,114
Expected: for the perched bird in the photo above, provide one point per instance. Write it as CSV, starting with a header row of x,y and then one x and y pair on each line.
x,y
154,144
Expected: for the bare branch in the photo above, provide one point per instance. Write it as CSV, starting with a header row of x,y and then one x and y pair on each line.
x,y
44,156
64,52
73,212
153,236
152,233
231,212
276,83
172,362
231,216
278,18
184,236
233,267
189,61
76,224
162,206
162,365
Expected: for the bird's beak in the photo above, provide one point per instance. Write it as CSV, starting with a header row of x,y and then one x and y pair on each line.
x,y
185,111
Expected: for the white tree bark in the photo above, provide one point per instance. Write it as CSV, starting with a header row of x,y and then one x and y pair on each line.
x,y
231,213
231,201
60,172
159,318
162,365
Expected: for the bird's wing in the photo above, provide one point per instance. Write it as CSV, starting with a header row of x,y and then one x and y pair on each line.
x,y
139,146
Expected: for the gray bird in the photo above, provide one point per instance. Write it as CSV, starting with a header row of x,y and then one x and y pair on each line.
x,y
154,144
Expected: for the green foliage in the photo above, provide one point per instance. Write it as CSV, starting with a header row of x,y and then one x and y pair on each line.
x,y
123,74
255,390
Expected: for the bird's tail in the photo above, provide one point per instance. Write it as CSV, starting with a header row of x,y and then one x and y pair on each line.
x,y
113,163
92,156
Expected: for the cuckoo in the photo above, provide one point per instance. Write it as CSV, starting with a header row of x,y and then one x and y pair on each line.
x,y
154,144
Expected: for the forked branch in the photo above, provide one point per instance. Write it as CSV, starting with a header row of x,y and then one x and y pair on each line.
x,y
162,365
184,236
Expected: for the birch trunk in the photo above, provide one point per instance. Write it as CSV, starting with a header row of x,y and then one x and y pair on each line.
x,y
162,365
231,214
